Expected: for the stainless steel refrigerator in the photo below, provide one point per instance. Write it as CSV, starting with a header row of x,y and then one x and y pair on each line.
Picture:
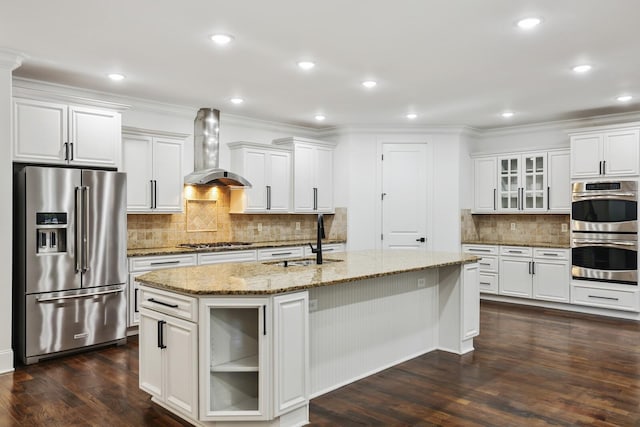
x,y
70,273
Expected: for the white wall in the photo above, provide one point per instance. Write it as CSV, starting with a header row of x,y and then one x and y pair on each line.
x,y
8,62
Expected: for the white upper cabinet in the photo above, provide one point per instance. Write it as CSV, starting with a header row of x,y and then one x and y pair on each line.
x,y
605,152
59,133
268,169
522,182
312,174
559,181
153,163
484,184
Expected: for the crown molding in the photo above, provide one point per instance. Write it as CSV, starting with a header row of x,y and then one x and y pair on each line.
x,y
11,59
130,130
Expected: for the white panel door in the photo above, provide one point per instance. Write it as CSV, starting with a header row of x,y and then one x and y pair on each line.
x,y
280,181
255,170
291,351
324,179
150,353
39,131
515,279
559,181
304,178
551,280
167,172
484,184
586,154
180,365
621,153
138,165
95,135
405,188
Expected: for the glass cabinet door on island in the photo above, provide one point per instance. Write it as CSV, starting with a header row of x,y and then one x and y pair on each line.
x,y
233,360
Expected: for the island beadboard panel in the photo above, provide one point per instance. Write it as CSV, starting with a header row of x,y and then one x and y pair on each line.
x,y
530,230
195,225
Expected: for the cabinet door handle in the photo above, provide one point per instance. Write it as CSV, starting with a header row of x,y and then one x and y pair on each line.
x,y
71,150
600,167
162,303
66,151
151,193
315,199
604,167
264,320
268,197
155,194
533,267
135,300
495,196
529,267
161,324
548,198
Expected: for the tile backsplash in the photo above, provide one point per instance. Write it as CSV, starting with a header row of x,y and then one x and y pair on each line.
x,y
529,228
206,218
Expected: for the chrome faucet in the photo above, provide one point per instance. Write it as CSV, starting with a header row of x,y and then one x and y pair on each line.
x,y
320,236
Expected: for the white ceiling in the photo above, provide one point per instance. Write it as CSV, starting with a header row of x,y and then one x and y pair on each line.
x,y
454,62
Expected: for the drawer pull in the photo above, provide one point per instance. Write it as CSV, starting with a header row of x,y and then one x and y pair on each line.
x,y
281,253
548,254
607,298
485,283
163,303
515,252
484,263
164,262
479,250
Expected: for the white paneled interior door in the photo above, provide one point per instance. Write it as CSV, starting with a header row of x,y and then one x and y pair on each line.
x,y
406,186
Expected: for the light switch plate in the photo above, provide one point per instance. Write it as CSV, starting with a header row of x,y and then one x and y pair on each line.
x,y
513,226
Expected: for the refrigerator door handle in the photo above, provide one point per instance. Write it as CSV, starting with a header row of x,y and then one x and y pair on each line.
x,y
113,291
85,226
78,229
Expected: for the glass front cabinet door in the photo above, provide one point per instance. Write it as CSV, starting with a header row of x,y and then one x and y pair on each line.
x,y
522,182
534,176
509,183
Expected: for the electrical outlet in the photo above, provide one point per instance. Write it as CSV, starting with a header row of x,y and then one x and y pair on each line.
x,y
564,228
259,227
422,282
513,226
313,305
297,226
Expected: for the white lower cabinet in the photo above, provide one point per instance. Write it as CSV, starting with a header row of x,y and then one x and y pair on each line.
x,y
168,351
254,357
470,302
515,276
488,266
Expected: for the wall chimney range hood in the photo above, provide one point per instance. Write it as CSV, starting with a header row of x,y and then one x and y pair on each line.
x,y
206,153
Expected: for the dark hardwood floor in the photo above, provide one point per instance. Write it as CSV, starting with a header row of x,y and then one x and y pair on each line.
x,y
530,367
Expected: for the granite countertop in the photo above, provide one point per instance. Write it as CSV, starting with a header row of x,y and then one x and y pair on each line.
x,y
272,278
258,245
519,243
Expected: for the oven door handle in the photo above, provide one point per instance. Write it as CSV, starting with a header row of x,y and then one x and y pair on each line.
x,y
600,242
612,196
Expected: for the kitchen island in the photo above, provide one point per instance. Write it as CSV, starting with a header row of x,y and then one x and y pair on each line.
x,y
250,343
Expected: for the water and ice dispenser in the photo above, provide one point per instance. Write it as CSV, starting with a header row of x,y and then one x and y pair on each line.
x,y
51,232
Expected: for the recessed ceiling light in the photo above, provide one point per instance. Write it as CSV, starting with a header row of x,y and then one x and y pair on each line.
x,y
411,116
222,39
306,65
624,98
236,100
320,117
582,68
507,114
369,84
529,23
116,77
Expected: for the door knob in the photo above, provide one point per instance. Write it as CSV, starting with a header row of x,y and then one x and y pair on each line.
x,y
421,240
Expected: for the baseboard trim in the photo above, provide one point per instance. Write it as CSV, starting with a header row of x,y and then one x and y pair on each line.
x,y
6,361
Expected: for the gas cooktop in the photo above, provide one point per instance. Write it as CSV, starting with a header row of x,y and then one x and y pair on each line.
x,y
212,245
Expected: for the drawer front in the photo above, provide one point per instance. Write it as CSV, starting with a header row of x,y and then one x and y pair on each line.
x,y
605,298
177,305
280,253
158,262
480,249
488,263
516,251
551,253
488,283
231,256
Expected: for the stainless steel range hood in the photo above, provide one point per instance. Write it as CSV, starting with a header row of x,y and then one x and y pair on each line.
x,y
206,153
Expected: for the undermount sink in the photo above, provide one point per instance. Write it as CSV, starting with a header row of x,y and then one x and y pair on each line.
x,y
301,262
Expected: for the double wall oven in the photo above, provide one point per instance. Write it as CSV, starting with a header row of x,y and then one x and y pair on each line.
x,y
604,229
